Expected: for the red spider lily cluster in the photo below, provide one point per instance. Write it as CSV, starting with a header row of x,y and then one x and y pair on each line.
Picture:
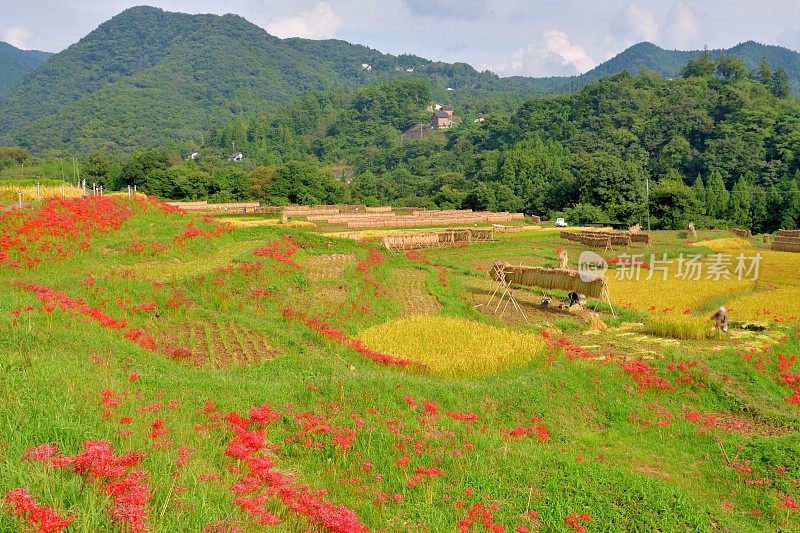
x,y
57,229
117,475
576,521
282,251
415,256
779,367
646,376
65,303
571,350
537,429
373,259
329,332
479,514
39,518
263,483
193,232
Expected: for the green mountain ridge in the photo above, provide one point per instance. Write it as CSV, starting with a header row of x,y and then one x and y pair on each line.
x,y
150,78
16,63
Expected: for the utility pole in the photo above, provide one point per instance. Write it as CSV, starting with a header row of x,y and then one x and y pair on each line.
x,y
647,188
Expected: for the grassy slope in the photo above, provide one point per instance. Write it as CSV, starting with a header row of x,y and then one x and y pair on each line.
x,y
597,461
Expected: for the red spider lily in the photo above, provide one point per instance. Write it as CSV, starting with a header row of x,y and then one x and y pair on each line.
x,y
373,259
183,457
442,278
262,482
144,307
64,302
537,429
157,429
787,502
574,521
140,337
41,453
646,376
462,417
479,513
193,232
281,251
337,336
42,518
127,488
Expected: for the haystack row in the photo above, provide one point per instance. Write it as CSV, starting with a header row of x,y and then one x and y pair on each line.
x,y
247,207
416,241
600,239
550,278
743,233
786,241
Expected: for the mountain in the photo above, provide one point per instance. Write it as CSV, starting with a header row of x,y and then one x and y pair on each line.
x,y
16,63
150,78
670,62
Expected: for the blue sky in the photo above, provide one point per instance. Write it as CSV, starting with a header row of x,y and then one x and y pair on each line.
x,y
509,37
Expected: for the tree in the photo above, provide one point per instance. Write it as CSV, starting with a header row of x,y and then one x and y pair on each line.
x,y
137,166
789,205
780,83
306,184
741,203
700,193
481,198
717,196
673,204
730,69
584,214
701,67
764,74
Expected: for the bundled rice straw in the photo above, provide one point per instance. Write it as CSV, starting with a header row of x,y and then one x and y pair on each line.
x,y
786,241
743,233
454,237
551,278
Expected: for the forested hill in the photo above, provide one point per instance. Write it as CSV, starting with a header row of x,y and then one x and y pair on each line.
x,y
16,63
669,62
150,78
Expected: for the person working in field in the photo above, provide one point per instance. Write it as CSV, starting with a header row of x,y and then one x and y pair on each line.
x,y
721,318
575,298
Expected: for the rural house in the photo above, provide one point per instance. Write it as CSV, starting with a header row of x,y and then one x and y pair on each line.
x,y
236,158
442,120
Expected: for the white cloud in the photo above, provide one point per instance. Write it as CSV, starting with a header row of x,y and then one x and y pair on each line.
x,y
18,36
682,26
553,54
790,39
318,22
447,9
634,24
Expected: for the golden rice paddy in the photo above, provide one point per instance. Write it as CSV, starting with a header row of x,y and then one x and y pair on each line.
x,y
454,347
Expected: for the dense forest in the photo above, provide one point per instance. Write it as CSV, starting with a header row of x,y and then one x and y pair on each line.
x,y
16,63
148,78
720,146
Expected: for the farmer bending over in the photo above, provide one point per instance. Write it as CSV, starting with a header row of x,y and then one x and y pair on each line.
x,y
721,318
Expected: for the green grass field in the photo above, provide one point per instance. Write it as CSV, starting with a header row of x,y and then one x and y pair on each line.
x,y
151,334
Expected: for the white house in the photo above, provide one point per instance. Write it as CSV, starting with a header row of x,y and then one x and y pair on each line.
x,y
236,158
194,156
